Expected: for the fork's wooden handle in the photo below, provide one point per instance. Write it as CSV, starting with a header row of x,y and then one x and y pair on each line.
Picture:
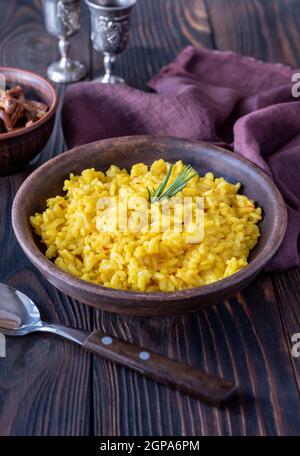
x,y
9,320
196,382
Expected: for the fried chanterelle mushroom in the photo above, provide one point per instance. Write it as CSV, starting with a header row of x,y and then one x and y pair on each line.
x,y
18,112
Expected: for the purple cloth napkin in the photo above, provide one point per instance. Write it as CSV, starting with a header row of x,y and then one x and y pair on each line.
x,y
215,96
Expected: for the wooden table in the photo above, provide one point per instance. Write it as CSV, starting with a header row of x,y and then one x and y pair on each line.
x,y
51,387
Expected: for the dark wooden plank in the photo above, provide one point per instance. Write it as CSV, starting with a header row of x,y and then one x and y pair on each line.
x,y
241,339
248,328
267,30
264,29
287,289
44,382
27,45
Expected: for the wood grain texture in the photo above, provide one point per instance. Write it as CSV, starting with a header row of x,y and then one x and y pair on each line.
x,y
287,289
268,30
249,327
264,29
241,339
47,386
44,382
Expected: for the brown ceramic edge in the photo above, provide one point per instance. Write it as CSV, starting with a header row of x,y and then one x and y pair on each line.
x,y
41,262
49,114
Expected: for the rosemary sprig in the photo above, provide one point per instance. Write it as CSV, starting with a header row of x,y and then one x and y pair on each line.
x,y
177,185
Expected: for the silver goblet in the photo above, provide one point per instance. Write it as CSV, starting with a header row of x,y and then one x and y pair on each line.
x,y
62,19
110,22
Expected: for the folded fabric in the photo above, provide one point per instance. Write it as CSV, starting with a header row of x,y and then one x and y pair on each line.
x,y
216,96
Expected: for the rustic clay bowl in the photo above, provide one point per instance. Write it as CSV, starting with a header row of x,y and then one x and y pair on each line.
x,y
19,147
47,181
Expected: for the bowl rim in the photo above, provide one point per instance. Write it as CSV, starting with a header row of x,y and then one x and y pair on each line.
x,y
149,298
44,119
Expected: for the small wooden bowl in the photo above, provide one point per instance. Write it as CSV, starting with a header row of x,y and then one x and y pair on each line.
x,y
20,146
47,181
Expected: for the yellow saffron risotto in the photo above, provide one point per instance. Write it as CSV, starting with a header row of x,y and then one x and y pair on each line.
x,y
145,260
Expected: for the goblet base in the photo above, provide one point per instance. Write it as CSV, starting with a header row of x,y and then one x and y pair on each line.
x,y
70,71
110,79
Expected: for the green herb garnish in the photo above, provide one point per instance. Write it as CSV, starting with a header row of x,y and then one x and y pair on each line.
x,y
177,185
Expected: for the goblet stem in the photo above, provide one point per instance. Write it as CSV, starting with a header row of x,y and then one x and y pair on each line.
x,y
64,46
109,77
66,69
109,63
